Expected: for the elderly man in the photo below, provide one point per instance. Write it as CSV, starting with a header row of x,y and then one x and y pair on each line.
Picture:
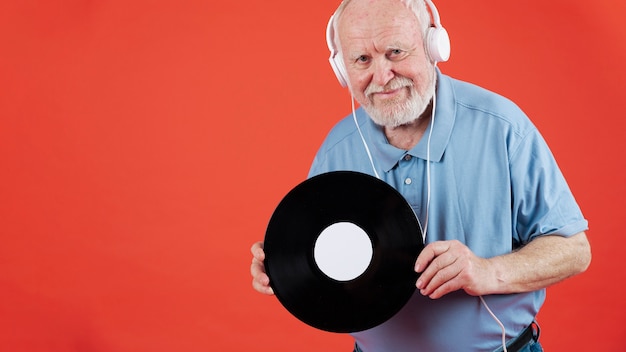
x,y
500,221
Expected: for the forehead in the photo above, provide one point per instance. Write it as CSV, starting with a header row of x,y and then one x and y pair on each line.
x,y
366,22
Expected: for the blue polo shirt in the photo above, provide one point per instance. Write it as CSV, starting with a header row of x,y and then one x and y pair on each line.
x,y
494,186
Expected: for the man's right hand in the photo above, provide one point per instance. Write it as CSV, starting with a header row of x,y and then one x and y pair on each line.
x,y
260,280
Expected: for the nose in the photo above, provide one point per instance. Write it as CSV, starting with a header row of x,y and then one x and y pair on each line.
x,y
383,71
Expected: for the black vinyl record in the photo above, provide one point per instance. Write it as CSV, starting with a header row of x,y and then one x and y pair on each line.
x,y
343,305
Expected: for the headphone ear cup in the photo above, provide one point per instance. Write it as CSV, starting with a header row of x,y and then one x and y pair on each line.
x,y
438,44
336,62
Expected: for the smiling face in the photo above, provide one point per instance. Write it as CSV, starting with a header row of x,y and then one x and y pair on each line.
x,y
388,70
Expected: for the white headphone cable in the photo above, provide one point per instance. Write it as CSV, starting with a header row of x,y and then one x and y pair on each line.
x,y
430,134
493,315
367,149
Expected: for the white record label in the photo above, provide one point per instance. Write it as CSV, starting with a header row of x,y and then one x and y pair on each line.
x,y
343,251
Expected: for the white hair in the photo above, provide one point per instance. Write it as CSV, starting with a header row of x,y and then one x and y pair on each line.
x,y
418,7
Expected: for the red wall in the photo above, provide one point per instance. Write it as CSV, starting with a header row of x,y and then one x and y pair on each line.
x,y
145,144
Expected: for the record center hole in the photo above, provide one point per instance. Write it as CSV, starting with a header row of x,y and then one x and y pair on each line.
x,y
343,251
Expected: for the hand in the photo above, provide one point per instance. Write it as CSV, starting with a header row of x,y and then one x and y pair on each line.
x,y
447,266
260,280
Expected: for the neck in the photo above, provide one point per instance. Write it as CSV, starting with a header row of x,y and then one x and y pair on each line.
x,y
407,136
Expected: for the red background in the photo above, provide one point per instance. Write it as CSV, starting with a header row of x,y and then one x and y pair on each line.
x,y
145,144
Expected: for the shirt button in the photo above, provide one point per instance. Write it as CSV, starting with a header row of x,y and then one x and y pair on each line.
x,y
408,181
407,157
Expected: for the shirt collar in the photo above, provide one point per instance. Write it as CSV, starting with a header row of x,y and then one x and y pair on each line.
x,y
388,155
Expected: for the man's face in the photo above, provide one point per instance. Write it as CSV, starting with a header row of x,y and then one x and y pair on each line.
x,y
388,70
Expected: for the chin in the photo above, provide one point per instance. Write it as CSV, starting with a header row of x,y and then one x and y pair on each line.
x,y
394,119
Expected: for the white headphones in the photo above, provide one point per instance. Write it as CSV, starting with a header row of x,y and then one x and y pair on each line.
x,y
437,45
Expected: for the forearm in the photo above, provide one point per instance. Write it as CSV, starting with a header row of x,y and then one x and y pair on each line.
x,y
543,262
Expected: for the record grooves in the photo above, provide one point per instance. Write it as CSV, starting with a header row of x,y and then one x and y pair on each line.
x,y
309,293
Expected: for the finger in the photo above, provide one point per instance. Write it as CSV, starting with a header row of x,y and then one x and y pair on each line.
x,y
446,275
433,258
438,271
444,289
257,251
264,289
257,268
260,280
429,253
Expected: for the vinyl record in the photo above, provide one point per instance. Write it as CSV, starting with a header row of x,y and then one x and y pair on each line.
x,y
340,249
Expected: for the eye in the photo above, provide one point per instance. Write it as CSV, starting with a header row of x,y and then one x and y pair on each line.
x,y
363,59
395,53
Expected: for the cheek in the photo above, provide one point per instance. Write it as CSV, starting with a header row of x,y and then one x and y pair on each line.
x,y
358,84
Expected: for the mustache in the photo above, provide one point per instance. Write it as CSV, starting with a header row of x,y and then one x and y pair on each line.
x,y
396,83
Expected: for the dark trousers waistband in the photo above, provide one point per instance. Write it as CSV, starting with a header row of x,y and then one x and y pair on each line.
x,y
531,333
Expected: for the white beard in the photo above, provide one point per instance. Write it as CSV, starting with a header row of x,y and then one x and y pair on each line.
x,y
393,113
